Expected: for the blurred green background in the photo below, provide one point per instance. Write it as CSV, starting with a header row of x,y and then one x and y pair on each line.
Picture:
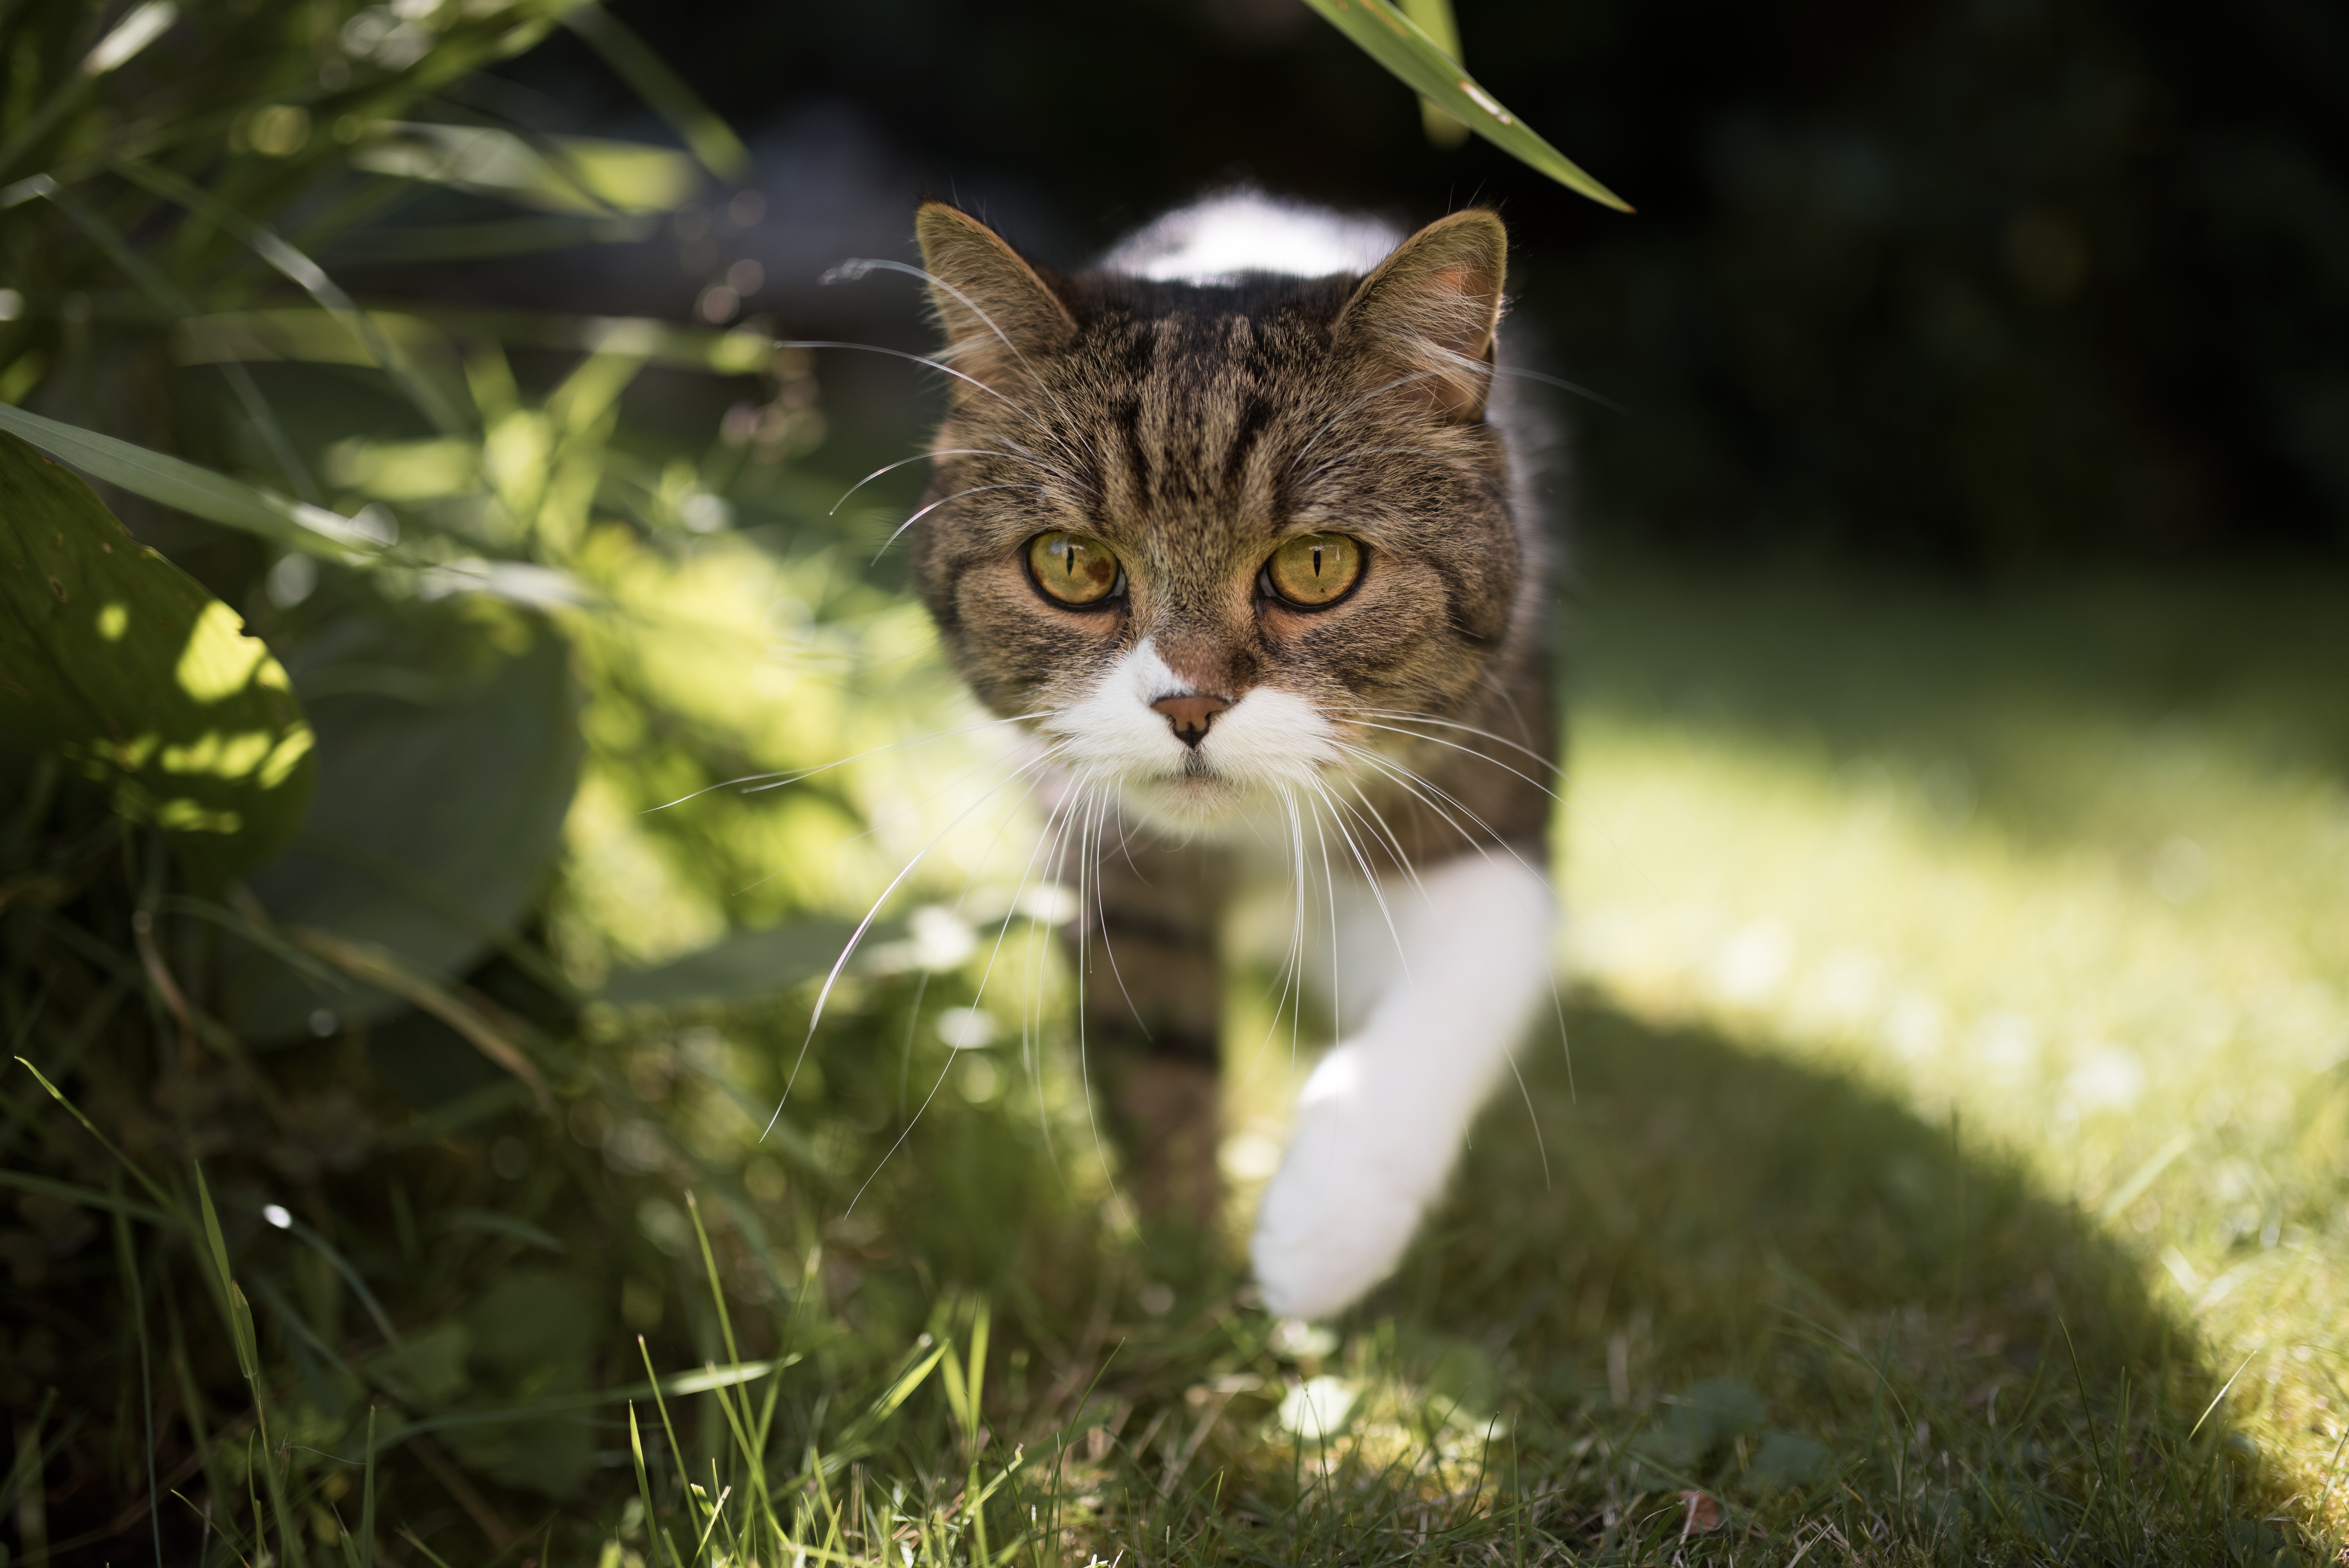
x,y
1942,1161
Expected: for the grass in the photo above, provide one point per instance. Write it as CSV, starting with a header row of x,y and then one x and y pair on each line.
x,y
1946,1167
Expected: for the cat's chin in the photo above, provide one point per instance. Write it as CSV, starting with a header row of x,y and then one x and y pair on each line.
x,y
1195,805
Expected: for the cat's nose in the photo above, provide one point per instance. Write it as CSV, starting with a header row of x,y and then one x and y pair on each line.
x,y
1190,714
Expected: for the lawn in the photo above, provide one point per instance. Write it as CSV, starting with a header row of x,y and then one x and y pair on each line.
x,y
1943,1161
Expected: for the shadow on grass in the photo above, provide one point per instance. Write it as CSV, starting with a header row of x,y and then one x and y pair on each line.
x,y
1745,1276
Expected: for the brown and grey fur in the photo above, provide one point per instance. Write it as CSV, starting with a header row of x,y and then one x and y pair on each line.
x,y
1193,428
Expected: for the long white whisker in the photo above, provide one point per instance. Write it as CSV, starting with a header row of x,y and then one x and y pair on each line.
x,y
1369,876
1330,424
1541,1146
942,500
929,457
1464,751
857,936
856,267
755,782
1449,459
933,362
1410,717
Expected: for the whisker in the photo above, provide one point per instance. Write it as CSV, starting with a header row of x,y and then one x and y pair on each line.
x,y
1449,459
1376,392
1560,382
756,782
929,457
1369,876
1449,724
934,363
975,490
1541,1146
1415,784
850,270
832,978
1468,751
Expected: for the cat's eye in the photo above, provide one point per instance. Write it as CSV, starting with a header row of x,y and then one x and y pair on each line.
x,y
1072,568
1314,569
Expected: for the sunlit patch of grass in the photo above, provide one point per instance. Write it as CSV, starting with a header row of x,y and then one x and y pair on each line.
x,y
1947,1168
2069,871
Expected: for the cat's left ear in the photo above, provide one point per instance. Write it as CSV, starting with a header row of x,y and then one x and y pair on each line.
x,y
998,311
1427,315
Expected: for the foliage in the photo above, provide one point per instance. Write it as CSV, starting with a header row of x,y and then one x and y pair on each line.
x,y
349,1148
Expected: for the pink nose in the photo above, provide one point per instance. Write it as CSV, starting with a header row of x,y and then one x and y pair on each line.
x,y
1190,714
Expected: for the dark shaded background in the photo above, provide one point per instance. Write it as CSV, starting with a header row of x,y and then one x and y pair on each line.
x,y
1982,286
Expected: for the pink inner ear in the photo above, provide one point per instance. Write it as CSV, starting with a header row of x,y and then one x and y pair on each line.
x,y
1453,280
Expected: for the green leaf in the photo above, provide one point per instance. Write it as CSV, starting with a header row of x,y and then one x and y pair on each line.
x,y
1434,18
447,754
739,968
232,1299
1392,39
571,174
1785,1460
125,665
198,491
712,141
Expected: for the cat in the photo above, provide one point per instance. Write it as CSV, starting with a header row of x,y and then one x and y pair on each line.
x,y
1228,525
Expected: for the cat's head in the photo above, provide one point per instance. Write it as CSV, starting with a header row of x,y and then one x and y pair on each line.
x,y
1202,536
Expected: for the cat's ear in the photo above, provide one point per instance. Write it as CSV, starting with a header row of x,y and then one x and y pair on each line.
x,y
1425,318
997,312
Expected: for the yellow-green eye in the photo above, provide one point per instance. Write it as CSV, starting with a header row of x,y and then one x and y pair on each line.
x,y
1072,568
1314,569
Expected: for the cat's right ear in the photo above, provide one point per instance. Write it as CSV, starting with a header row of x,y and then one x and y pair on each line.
x,y
998,313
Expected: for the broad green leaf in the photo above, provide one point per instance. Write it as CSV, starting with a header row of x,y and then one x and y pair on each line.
x,y
739,968
198,491
126,666
447,752
531,1330
1392,39
584,174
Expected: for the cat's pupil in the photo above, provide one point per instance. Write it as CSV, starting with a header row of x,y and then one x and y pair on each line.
x,y
1317,560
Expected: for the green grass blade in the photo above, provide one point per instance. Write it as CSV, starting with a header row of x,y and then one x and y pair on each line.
x,y
164,292
366,1498
87,1197
126,1258
232,1303
162,1199
645,1490
713,142
198,491
1394,41
308,274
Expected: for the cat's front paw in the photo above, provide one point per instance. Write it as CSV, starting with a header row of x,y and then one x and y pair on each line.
x,y
1338,1215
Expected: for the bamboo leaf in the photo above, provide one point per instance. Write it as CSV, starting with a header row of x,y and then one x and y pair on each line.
x,y
1394,41
199,491
1434,18
712,141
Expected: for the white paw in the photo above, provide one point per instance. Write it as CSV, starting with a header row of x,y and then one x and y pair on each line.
x,y
1336,1219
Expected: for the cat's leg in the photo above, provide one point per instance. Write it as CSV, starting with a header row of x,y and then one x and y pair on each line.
x,y
1468,954
1152,1022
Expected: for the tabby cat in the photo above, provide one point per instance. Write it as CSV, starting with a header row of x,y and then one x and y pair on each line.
x,y
1228,525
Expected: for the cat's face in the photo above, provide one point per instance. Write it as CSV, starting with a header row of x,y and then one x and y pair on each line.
x,y
1214,543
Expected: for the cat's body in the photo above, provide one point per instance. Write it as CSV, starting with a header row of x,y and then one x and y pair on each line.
x,y
1228,526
